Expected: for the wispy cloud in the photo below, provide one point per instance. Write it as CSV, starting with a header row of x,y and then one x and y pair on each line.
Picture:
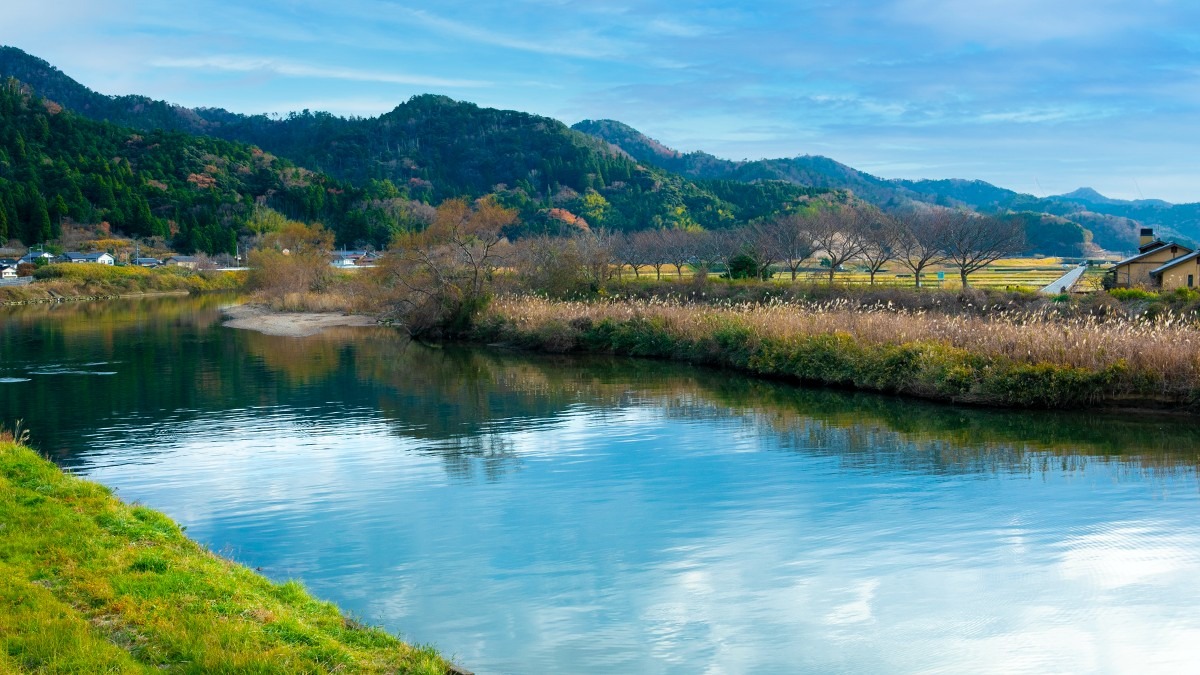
x,y
251,64
581,44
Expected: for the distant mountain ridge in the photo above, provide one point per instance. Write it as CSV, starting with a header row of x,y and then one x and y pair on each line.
x,y
1112,222
432,147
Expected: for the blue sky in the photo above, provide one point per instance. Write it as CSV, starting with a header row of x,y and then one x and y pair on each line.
x,y
1040,96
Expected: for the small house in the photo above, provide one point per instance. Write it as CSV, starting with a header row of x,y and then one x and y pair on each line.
x,y
34,256
8,271
94,258
1153,255
147,262
189,261
1181,272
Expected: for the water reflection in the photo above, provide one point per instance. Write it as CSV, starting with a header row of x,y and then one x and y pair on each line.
x,y
601,515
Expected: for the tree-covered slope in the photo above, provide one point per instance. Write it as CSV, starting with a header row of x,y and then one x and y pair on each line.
x,y
431,148
1114,223
194,192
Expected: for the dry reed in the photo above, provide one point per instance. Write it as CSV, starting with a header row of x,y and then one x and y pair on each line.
x,y
1160,353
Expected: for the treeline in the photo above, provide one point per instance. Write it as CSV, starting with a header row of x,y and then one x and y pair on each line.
x,y
195,193
829,235
434,148
201,194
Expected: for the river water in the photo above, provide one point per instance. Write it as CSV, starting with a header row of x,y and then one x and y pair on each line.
x,y
530,514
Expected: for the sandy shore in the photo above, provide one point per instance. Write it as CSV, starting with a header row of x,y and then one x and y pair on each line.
x,y
288,324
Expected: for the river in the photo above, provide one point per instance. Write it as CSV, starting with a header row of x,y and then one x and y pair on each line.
x,y
532,514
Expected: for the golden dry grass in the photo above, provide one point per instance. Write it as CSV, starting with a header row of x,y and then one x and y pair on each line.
x,y
1167,347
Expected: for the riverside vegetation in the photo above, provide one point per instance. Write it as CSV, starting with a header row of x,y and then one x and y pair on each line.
x,y
95,585
460,279
86,280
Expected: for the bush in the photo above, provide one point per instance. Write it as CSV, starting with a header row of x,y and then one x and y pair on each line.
x,y
1128,294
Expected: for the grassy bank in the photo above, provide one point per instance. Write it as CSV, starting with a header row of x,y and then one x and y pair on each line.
x,y
90,584
77,280
1001,357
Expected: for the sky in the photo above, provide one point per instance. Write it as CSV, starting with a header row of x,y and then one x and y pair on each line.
x,y
1039,96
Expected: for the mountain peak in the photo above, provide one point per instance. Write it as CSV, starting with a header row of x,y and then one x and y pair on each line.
x,y
1086,194
627,138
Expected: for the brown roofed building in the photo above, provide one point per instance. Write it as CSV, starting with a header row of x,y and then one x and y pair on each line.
x,y
1153,254
1182,272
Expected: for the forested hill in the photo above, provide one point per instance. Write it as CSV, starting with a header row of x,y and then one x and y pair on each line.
x,y
1112,223
195,193
431,148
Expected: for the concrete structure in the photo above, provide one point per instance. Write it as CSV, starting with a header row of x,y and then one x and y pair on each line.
x,y
1065,283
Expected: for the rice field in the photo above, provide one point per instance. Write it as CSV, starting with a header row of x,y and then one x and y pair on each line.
x,y
1012,273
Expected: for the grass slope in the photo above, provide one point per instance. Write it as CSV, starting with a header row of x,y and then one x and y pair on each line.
x,y
80,280
89,584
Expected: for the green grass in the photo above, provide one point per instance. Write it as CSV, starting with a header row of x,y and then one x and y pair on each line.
x,y
81,280
89,584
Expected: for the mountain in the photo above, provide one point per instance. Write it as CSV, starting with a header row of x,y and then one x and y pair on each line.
x,y
197,193
1112,224
1086,195
431,148
808,170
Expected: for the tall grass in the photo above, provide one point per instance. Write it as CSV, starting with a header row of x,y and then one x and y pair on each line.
x,y
69,280
1000,355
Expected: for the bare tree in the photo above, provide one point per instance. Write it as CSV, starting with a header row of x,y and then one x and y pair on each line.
x,y
882,245
444,272
841,234
680,248
762,247
718,247
626,251
923,239
595,249
653,249
793,240
974,241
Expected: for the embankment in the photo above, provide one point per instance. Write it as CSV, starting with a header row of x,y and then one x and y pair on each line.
x,y
64,282
90,584
998,357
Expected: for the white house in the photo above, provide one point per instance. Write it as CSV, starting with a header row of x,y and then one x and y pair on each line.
x,y
97,258
34,256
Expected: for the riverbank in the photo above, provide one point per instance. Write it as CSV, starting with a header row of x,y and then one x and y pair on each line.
x,y
90,584
81,282
263,319
1012,359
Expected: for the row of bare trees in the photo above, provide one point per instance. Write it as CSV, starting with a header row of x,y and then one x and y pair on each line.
x,y
914,239
441,275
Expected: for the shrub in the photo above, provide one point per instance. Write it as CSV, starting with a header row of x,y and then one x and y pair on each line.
x,y
1128,294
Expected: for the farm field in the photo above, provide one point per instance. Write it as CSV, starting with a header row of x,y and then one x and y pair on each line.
x,y
1004,273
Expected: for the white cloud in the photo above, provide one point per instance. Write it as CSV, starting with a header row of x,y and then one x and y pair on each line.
x,y
582,44
290,69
